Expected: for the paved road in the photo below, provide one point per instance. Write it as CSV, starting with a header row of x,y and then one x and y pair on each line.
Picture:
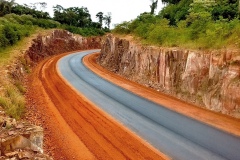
x,y
173,134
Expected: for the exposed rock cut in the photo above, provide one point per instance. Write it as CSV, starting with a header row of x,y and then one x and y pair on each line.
x,y
60,41
210,79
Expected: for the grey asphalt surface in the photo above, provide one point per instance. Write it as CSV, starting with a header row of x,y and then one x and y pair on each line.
x,y
175,135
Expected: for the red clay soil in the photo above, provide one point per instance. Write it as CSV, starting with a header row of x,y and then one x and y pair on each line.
x,y
74,127
223,122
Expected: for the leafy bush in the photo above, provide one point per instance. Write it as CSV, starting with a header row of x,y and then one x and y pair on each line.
x,y
83,31
122,28
3,40
46,23
189,24
14,27
10,33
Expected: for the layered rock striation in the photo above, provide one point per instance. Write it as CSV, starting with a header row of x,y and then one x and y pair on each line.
x,y
210,79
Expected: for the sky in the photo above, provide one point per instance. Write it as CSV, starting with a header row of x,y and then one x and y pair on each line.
x,y
123,10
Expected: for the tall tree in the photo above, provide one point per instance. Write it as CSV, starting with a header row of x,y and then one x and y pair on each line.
x,y
108,19
3,7
11,3
73,16
99,15
171,1
43,5
176,12
238,6
58,13
153,6
227,9
58,8
6,7
26,9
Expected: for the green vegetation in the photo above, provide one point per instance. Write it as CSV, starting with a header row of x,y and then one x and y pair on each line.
x,y
18,21
12,89
153,6
79,21
13,102
14,27
20,87
16,102
83,31
189,24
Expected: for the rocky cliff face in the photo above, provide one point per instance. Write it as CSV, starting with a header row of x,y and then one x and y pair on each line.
x,y
60,41
210,79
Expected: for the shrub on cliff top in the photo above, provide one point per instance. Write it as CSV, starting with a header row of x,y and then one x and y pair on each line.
x,y
188,24
13,28
190,33
83,31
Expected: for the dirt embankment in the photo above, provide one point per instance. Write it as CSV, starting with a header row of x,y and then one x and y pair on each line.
x,y
57,42
210,79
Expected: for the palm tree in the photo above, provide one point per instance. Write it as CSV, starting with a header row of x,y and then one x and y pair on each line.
x,y
2,7
99,15
6,7
107,18
153,6
10,5
43,5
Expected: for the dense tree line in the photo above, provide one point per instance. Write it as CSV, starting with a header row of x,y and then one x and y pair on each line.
x,y
188,23
80,17
73,16
18,21
8,7
180,10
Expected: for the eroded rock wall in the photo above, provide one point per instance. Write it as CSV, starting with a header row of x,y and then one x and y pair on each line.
x,y
210,79
60,41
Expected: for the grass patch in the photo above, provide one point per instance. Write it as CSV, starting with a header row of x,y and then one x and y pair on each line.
x,y
20,87
9,53
13,102
16,111
12,93
4,102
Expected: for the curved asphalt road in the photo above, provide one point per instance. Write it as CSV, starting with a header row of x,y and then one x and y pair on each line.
x,y
173,134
